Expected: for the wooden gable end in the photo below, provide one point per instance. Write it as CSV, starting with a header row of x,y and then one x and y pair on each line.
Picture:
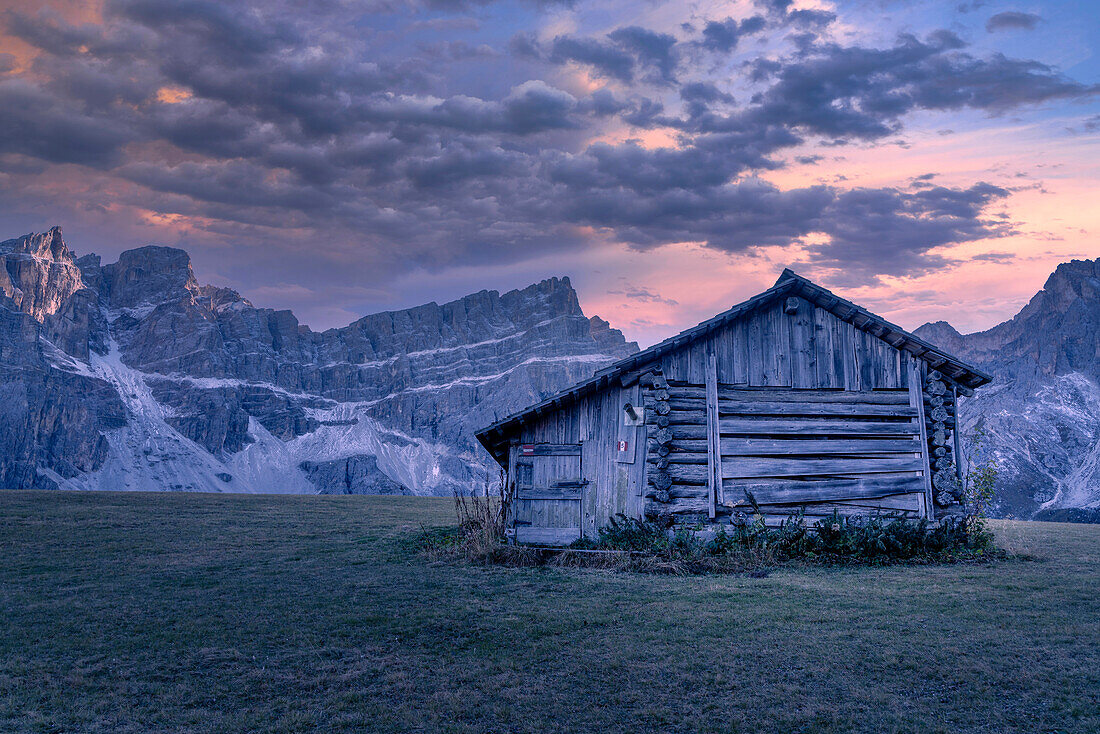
x,y
791,343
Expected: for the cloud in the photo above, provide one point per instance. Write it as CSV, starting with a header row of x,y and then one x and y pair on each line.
x,y
858,92
649,48
723,36
641,294
42,125
354,145
605,59
1011,20
995,257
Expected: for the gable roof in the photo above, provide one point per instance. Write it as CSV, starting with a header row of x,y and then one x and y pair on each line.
x,y
790,283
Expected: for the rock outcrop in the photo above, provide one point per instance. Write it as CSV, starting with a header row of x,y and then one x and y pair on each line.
x,y
352,475
199,389
1041,416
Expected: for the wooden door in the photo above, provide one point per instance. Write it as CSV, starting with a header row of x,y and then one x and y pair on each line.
x,y
549,494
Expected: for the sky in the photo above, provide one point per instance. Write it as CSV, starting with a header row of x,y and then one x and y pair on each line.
x,y
929,160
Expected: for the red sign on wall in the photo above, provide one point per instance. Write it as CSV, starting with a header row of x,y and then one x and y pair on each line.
x,y
623,447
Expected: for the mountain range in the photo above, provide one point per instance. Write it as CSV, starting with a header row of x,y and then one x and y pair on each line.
x,y
132,375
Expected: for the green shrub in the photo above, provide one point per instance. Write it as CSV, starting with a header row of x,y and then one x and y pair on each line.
x,y
627,533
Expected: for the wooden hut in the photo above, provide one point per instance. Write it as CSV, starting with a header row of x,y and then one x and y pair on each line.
x,y
796,396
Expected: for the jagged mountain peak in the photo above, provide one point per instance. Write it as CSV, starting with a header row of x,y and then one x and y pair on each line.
x,y
1070,282
48,245
149,275
938,332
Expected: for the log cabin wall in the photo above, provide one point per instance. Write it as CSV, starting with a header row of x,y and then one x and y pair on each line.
x,y
801,410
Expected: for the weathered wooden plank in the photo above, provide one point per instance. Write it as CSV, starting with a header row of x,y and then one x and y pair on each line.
x,y
907,502
956,437
821,449
745,468
737,407
681,491
777,520
826,429
797,446
803,358
756,351
684,505
916,399
565,494
849,339
513,451
714,453
786,394
550,449
825,363
780,346
751,468
806,427
815,512
804,447
800,417
701,457
693,407
681,417
787,491
531,535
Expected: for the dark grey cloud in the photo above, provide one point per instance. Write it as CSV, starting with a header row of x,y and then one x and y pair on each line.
x,y
1011,20
605,58
855,92
654,50
37,123
414,148
724,35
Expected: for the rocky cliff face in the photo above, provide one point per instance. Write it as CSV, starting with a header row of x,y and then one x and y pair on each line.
x,y
1041,416
133,376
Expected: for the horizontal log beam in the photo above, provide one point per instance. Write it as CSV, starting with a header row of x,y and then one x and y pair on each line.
x,y
750,468
798,446
758,468
909,501
804,447
733,427
881,397
779,491
814,428
688,411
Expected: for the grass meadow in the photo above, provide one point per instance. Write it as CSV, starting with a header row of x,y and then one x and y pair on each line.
x,y
220,613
